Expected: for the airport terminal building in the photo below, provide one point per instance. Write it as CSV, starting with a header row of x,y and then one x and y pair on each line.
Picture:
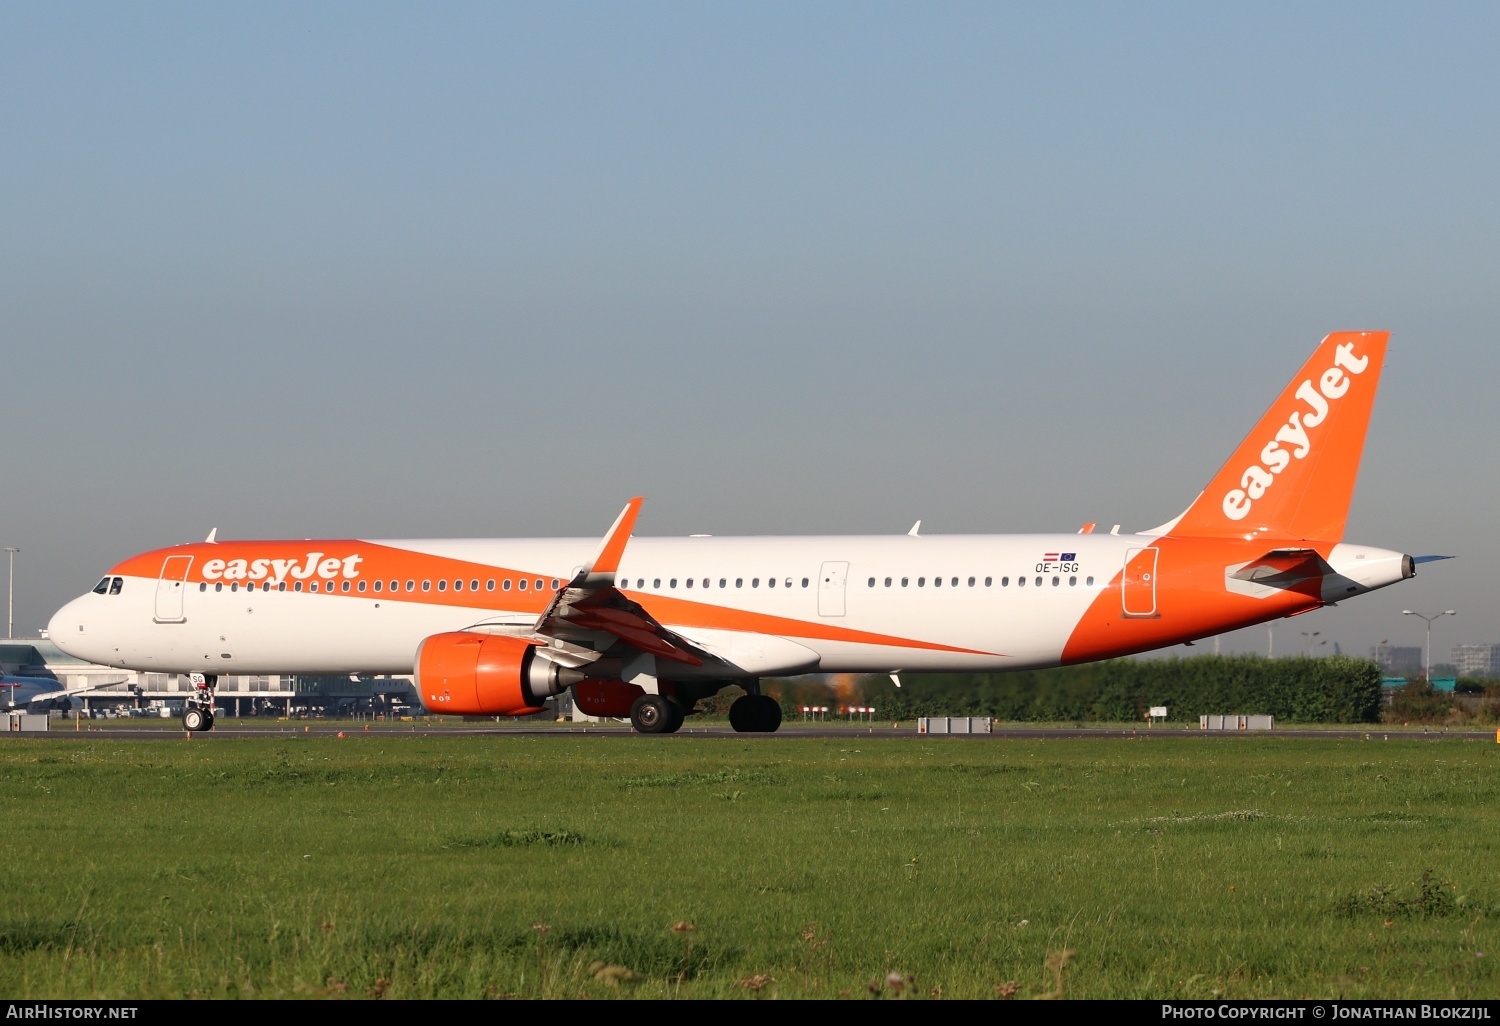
x,y
105,690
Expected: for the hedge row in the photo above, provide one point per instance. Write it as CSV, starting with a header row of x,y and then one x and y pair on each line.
x,y
1337,689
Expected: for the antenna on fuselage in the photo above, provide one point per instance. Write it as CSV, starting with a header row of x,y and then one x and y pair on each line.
x,y
914,529
210,539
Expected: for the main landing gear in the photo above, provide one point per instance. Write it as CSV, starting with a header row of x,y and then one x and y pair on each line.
x,y
755,714
657,714
199,714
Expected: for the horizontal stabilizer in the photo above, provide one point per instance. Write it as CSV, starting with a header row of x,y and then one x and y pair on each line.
x,y
1282,568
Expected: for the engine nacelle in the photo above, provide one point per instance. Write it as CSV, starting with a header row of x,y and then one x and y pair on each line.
x,y
476,674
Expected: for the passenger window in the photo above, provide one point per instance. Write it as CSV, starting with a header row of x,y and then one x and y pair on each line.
x,y
689,582
102,587
442,585
971,582
297,586
1089,581
411,585
887,582
281,586
1056,581
234,587
521,584
804,582
672,583
739,582
1072,582
905,581
219,586
345,586
1003,581
377,586
537,584
770,582
313,586
656,582
203,586
458,585
115,585
955,581
872,582
505,584
473,585
1020,582
1038,582
489,585
426,585
755,582
937,582
723,582
556,584
921,582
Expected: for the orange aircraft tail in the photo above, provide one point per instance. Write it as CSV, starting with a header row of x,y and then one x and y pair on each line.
x,y
1293,476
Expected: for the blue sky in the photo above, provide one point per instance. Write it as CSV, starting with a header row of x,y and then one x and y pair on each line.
x,y
423,270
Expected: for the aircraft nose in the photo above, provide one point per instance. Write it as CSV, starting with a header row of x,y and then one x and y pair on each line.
x,y
68,627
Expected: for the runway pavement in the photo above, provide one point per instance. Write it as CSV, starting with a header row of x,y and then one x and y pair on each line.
x,y
167,730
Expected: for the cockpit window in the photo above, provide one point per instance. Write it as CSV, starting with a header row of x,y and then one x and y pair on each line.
x,y
101,587
115,585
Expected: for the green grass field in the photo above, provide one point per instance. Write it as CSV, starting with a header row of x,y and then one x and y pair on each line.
x,y
558,866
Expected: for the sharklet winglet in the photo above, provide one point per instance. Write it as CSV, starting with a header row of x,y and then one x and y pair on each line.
x,y
602,569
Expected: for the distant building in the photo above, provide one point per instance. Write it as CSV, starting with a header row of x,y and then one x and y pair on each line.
x,y
1398,660
1477,660
119,691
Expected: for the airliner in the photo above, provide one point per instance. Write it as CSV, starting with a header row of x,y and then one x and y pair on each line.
x,y
42,694
648,627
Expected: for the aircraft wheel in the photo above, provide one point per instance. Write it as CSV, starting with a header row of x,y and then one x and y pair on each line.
x,y
194,719
679,714
770,714
651,714
755,714
742,714
208,721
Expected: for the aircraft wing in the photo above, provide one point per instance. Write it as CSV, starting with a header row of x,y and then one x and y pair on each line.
x,y
48,696
590,606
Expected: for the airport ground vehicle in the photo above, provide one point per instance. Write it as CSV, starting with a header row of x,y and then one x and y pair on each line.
x,y
649,626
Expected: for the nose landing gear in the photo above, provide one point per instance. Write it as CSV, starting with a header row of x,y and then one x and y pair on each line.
x,y
199,714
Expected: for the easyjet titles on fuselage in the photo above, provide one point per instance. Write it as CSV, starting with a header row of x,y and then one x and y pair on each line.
x,y
277,570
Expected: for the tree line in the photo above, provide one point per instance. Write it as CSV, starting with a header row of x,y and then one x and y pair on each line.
x,y
1335,689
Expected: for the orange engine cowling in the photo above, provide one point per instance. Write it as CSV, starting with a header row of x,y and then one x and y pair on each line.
x,y
487,675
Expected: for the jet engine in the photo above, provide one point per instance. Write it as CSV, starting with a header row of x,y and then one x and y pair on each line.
x,y
476,674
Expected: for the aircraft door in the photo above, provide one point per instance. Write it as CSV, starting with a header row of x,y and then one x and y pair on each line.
x,y
170,587
831,588
1138,585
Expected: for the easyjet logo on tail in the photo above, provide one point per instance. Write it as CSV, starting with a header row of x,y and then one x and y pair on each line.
x,y
1332,385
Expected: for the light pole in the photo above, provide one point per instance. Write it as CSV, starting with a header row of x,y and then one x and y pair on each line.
x,y
1429,619
10,590
1310,635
